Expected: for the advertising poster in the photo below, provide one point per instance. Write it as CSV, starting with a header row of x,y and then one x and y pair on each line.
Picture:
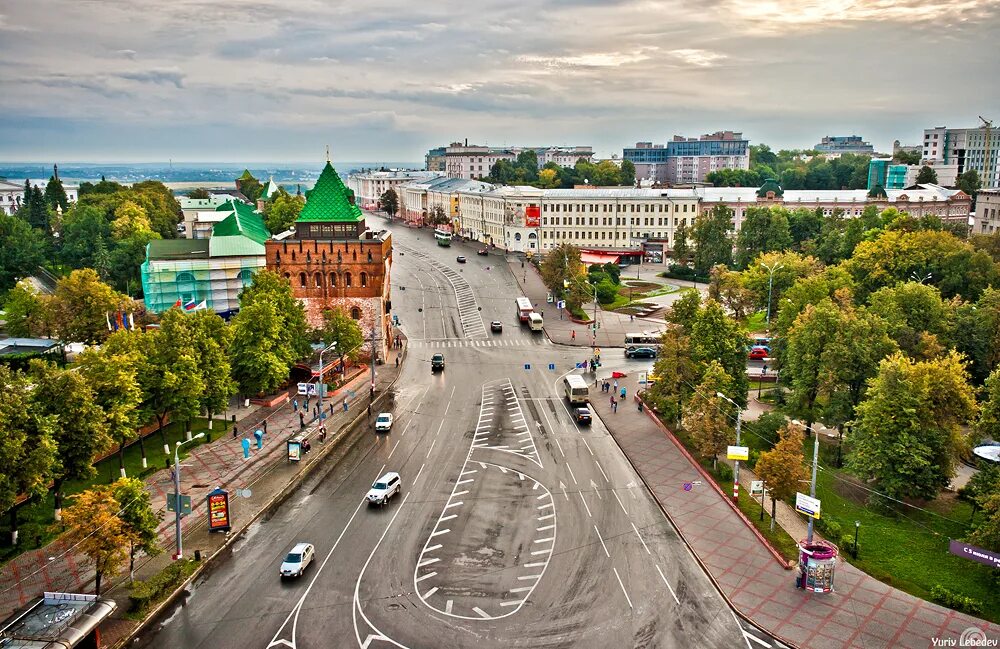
x,y
218,511
532,216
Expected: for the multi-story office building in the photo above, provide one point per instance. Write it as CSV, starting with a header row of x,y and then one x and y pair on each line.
x,y
464,160
434,159
840,144
882,173
419,200
368,186
987,219
965,148
688,160
629,221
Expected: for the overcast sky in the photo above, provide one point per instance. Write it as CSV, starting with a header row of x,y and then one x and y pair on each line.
x,y
263,80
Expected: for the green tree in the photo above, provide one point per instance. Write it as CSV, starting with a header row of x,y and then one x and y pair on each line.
x,y
249,186
80,432
626,175
139,520
676,374
112,371
86,232
806,356
927,175
37,211
810,289
389,202
22,250
27,312
988,423
261,354
712,243
763,230
80,306
987,533
912,311
199,193
342,329
783,468
909,428
707,416
212,338
527,164
727,288
717,337
906,157
682,250
95,529
270,286
685,309
437,217
983,484
969,182
27,449
787,267
130,220
975,332
282,210
55,195
561,264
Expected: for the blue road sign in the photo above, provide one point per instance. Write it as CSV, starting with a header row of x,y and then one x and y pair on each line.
x,y
552,366
527,366
581,365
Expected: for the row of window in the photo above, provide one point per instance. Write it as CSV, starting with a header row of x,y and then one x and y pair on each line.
x,y
608,221
618,207
318,278
354,256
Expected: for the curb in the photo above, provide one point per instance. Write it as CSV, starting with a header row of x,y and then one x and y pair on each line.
x,y
684,540
275,501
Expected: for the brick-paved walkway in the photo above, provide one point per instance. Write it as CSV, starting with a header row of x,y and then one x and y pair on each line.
x,y
216,464
862,613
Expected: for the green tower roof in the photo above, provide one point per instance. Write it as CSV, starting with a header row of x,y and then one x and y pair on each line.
x,y
246,175
330,201
242,222
770,185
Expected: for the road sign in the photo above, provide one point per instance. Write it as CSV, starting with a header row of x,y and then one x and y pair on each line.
x,y
527,366
581,365
756,487
561,304
552,366
738,452
185,503
807,505
687,486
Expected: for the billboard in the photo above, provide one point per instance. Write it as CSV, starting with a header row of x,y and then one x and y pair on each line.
x,y
807,505
979,555
532,216
218,511
738,452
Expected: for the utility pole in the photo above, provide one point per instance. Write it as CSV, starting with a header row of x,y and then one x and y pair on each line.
x,y
177,494
373,359
770,283
319,387
736,463
987,126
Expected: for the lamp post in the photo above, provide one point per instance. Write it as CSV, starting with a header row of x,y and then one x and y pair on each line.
x,y
857,526
177,492
812,482
736,468
770,282
319,387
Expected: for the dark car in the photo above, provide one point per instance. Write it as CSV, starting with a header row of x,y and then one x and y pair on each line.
x,y
460,259
482,252
583,416
759,353
437,362
640,352
496,326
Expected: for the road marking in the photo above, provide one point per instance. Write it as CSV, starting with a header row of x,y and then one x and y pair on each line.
x,y
481,612
433,547
427,576
559,446
602,471
546,517
393,448
606,553
587,445
418,474
447,606
537,552
430,449
537,564
640,538
545,506
460,493
469,471
536,486
514,603
430,592
668,584
571,474
454,504
545,495
447,518
542,540
449,403
466,481
440,532
749,636
593,485
620,583
585,506
520,476
619,502
521,590
427,562
544,527
527,577
407,427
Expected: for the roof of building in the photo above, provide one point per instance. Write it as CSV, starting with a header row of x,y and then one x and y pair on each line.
x,y
329,200
212,202
24,346
243,222
177,249
246,175
269,189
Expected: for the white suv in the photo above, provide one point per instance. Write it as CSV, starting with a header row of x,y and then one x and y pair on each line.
x,y
384,488
297,560
383,423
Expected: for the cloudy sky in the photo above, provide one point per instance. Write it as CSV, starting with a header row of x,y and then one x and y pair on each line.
x,y
264,80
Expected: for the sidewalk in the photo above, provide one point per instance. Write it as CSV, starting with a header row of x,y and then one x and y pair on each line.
x,y
219,463
861,613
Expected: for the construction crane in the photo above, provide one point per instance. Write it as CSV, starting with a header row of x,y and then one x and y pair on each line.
x,y
987,172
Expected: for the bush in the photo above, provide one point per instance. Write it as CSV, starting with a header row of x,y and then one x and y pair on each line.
x,y
828,528
847,545
766,426
962,603
146,593
724,472
678,271
606,292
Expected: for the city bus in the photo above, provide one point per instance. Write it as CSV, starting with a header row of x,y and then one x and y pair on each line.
x,y
535,321
523,309
642,340
576,389
443,237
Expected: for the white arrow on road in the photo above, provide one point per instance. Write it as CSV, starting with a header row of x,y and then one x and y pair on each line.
x,y
372,636
593,485
563,488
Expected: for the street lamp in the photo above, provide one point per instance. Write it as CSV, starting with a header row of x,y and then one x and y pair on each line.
x,y
920,280
736,469
319,388
770,282
812,482
857,526
177,492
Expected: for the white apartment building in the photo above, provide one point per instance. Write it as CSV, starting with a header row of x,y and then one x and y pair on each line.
x,y
368,186
12,194
630,221
464,160
419,199
987,219
965,148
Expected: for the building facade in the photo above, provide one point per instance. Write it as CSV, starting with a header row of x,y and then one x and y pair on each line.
x,y
332,260
464,160
631,221
965,148
368,186
689,160
420,200
12,194
434,160
987,219
840,144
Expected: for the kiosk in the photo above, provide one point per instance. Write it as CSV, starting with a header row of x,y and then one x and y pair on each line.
x,y
817,561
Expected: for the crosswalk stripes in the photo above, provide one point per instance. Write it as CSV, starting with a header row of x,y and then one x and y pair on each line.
x,y
456,342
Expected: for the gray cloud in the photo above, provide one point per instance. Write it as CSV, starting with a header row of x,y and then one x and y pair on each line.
x,y
171,76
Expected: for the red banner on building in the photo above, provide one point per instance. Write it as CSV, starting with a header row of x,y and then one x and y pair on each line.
x,y
532,216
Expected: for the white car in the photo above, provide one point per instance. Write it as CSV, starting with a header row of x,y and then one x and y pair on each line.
x,y
383,423
297,560
384,488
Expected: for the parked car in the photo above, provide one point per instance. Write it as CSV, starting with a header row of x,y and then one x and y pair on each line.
x,y
583,416
384,488
297,560
460,259
640,352
482,252
437,362
759,353
496,326
383,423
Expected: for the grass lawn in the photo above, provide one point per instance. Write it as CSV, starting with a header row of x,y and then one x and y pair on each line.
x,y
756,322
35,518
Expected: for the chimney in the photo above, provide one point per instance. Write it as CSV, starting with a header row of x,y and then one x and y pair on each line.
x,y
466,141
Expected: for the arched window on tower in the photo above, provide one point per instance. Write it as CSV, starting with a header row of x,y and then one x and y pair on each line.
x,y
302,280
347,280
318,277
333,279
364,279
355,313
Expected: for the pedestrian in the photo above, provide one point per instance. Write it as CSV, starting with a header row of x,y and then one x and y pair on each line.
x,y
369,411
615,407
371,393
612,401
322,433
639,402
623,393
234,431
631,317
345,405
616,385
397,360
265,427
331,407
302,420
295,405
573,335
305,404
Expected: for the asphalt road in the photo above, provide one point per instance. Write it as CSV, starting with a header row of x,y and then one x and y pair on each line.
x,y
514,528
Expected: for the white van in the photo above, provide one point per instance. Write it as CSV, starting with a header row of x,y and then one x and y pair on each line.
x,y
577,392
535,321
